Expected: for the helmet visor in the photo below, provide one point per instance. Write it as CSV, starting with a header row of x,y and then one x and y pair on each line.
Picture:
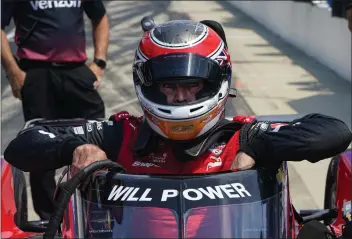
x,y
177,67
180,78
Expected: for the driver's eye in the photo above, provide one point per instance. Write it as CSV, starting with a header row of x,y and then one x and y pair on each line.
x,y
193,85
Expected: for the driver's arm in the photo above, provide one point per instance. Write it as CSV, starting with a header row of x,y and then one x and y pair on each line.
x,y
43,148
313,137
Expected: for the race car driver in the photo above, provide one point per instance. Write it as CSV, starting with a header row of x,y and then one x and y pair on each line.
x,y
181,71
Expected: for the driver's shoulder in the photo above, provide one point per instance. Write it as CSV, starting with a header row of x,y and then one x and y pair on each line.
x,y
256,124
119,117
243,119
285,118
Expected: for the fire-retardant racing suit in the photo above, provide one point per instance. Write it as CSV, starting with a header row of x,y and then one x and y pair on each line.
x,y
131,143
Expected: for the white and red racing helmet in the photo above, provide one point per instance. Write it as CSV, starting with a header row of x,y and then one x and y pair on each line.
x,y
187,53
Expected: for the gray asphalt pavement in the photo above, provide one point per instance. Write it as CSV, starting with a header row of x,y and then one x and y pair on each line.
x,y
271,76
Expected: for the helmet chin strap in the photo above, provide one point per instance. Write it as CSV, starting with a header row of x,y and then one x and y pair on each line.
x,y
147,140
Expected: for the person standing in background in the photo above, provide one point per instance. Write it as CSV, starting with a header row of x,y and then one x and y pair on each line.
x,y
49,73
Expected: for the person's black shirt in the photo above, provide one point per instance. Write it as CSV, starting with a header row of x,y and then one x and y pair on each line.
x,y
51,30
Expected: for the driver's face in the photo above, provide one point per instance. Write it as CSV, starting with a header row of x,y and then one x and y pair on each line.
x,y
179,93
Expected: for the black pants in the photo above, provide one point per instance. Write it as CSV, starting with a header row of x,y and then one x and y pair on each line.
x,y
52,93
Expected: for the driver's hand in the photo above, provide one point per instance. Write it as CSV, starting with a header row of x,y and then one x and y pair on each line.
x,y
98,72
242,161
85,155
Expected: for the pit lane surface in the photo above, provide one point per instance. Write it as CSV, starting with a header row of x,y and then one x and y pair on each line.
x,y
271,76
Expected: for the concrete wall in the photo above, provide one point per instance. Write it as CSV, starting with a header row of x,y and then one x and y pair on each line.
x,y
307,27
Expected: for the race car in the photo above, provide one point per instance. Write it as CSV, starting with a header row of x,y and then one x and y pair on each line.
x,y
104,201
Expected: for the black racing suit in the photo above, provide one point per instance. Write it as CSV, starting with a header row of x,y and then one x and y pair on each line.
x,y
313,137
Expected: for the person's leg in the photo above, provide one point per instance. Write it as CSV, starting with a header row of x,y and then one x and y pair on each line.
x,y
79,99
52,94
38,100
43,187
38,95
